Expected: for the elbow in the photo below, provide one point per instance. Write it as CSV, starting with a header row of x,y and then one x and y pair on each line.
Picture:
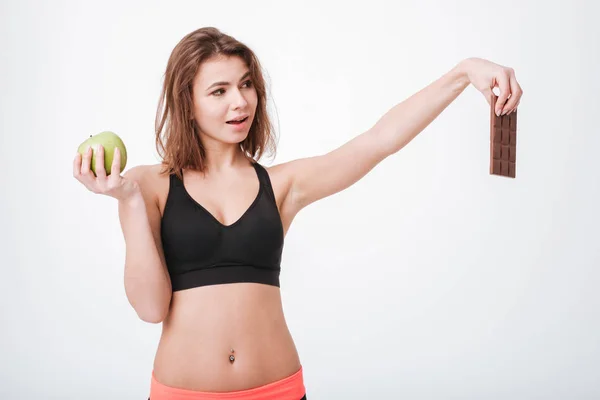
x,y
153,316
153,310
150,301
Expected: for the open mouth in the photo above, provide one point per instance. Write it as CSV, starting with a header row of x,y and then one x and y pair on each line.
x,y
237,122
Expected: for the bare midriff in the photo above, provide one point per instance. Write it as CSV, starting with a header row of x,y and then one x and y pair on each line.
x,y
225,338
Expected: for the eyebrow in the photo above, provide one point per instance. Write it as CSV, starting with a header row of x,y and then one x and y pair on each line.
x,y
227,83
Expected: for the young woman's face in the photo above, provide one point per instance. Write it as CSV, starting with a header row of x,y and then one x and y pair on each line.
x,y
223,91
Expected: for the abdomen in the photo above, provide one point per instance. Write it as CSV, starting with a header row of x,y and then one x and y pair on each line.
x,y
205,323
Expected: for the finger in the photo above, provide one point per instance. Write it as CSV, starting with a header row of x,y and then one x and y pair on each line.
x,y
515,108
86,179
85,163
514,97
115,168
77,165
100,171
504,85
487,93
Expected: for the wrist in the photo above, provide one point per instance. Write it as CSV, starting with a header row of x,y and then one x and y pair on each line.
x,y
458,77
462,70
133,197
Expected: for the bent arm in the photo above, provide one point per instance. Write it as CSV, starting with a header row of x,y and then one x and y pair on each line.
x,y
147,282
314,178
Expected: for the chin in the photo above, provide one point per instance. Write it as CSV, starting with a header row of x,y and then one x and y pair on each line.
x,y
236,137
233,139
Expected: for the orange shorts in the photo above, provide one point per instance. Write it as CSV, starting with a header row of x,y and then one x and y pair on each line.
x,y
290,388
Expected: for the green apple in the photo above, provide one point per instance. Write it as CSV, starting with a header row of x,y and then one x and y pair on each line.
x,y
109,141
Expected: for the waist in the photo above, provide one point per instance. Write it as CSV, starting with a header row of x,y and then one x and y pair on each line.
x,y
205,324
202,365
290,387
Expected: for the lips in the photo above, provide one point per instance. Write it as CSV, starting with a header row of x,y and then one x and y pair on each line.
x,y
238,120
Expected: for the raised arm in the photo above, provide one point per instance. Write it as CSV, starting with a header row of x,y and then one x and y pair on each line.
x,y
313,178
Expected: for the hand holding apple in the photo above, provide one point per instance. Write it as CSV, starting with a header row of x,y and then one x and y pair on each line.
x,y
110,141
98,165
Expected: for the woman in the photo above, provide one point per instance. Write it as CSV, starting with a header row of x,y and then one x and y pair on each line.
x,y
204,230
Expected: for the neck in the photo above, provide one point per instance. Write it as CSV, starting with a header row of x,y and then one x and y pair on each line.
x,y
223,157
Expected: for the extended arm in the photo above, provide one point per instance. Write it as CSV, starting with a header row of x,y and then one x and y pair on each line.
x,y
314,178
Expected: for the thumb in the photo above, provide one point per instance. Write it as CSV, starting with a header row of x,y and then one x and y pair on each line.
x,y
487,93
504,85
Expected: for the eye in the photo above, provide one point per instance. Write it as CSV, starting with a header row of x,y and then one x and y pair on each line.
x,y
219,92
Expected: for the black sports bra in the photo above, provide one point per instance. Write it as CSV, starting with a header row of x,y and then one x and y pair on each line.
x,y
200,250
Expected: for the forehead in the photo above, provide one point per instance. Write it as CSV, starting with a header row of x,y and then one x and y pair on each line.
x,y
221,68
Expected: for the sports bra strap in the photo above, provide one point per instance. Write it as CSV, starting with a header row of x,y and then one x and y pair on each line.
x,y
175,181
265,181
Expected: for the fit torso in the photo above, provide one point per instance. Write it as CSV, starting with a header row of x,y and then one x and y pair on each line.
x,y
207,325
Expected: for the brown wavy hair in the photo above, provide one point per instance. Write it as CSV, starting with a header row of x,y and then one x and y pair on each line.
x,y
177,133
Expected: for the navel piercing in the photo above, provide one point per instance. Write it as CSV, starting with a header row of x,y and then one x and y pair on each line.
x,y
232,357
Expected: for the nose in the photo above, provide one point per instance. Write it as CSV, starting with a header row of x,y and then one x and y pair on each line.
x,y
239,101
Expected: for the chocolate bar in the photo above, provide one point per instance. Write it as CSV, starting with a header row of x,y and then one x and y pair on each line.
x,y
503,142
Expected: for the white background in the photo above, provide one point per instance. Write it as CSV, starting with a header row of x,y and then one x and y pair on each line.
x,y
428,279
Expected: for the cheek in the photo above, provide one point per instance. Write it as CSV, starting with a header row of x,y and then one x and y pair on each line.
x,y
209,113
254,98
